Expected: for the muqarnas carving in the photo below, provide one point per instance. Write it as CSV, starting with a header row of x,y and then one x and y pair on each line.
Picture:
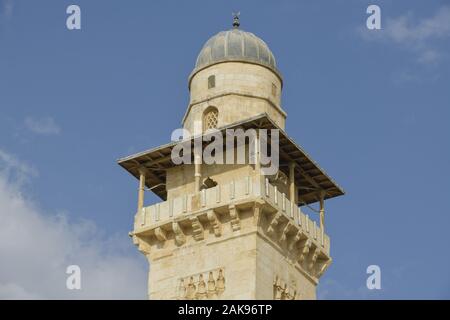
x,y
205,285
281,290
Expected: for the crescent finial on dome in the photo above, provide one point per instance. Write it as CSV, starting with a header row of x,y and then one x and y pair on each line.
x,y
236,22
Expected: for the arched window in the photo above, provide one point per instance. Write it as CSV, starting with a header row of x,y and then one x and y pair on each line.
x,y
210,118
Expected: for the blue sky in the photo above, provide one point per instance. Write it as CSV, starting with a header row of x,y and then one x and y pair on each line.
x,y
372,107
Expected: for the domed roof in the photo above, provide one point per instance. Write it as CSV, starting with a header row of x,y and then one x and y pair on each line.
x,y
235,45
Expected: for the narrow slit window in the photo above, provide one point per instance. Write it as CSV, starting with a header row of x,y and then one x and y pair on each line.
x,y
211,82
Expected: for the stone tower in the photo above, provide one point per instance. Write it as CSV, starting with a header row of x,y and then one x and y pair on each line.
x,y
232,231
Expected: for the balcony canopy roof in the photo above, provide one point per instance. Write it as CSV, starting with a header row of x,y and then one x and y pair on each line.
x,y
309,177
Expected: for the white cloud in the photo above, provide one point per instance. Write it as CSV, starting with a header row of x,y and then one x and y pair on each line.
x,y
421,37
13,169
45,125
36,248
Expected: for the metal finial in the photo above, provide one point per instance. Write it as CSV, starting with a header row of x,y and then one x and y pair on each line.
x,y
236,22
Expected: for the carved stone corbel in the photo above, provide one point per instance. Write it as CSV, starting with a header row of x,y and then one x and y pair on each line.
x,y
160,234
141,244
313,258
304,250
197,229
257,211
234,215
180,238
322,266
273,223
298,236
215,223
284,234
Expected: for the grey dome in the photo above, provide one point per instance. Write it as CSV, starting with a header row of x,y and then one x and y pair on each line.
x,y
235,45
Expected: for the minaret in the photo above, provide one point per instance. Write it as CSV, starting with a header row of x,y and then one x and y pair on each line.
x,y
234,230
